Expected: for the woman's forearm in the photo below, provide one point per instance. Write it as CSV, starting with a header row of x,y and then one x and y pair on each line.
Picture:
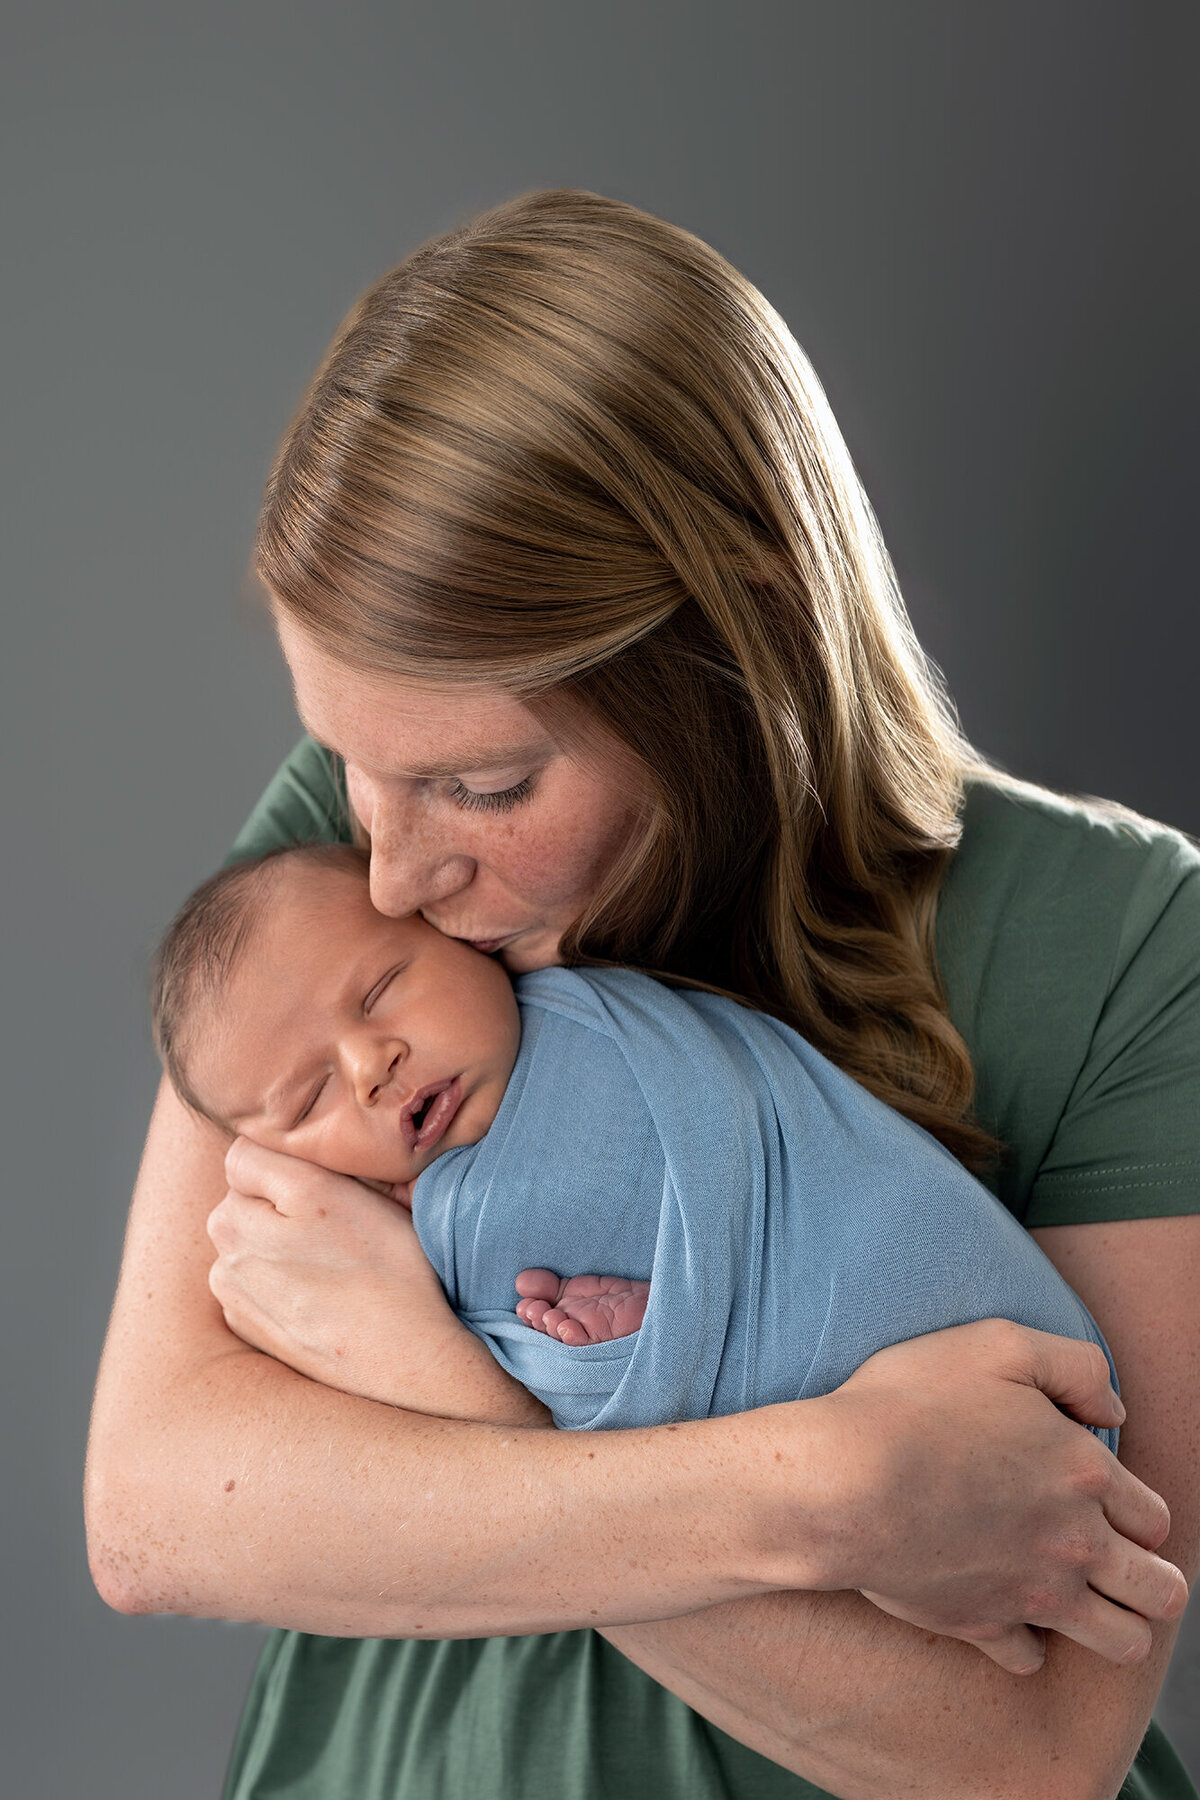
x,y
251,1492
870,1708
221,1483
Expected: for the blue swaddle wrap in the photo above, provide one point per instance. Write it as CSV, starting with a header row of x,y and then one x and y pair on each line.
x,y
789,1223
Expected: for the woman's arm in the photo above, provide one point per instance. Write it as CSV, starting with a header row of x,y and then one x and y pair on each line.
x,y
222,1483
396,1339
822,1682
868,1707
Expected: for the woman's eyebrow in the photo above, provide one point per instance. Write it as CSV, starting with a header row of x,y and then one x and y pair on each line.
x,y
475,759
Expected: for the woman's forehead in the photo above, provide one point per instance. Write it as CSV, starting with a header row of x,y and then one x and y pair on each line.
x,y
389,724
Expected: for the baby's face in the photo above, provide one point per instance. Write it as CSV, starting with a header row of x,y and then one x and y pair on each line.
x,y
367,1044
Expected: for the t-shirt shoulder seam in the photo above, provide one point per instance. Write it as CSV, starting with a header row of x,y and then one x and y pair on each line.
x,y
1178,1162
1125,1187
1109,1206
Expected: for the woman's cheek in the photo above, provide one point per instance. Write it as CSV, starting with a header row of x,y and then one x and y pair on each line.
x,y
562,855
534,863
591,844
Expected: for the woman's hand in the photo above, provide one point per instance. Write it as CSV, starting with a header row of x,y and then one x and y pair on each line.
x,y
328,1276
967,1503
986,1511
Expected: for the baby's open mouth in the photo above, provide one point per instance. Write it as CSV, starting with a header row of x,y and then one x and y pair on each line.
x,y
428,1113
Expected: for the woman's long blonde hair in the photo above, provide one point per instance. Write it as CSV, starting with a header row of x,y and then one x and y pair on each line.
x,y
568,450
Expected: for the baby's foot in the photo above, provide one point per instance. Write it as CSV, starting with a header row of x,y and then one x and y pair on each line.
x,y
587,1309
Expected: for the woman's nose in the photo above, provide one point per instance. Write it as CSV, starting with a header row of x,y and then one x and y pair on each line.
x,y
400,885
373,1066
412,863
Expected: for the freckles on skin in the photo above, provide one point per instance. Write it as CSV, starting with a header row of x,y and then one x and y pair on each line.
x,y
560,858
524,873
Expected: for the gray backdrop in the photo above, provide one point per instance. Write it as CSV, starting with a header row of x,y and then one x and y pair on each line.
x,y
978,220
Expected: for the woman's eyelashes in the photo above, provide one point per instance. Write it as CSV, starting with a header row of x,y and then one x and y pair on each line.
x,y
503,800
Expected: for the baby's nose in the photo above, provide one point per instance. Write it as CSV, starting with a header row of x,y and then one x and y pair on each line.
x,y
377,1071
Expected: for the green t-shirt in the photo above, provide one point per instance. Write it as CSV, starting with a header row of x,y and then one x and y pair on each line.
x,y
1068,937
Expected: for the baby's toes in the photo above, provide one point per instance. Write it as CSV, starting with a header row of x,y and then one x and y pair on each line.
x,y
539,1284
570,1331
534,1313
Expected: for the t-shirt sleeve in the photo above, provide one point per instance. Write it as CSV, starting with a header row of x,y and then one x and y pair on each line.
x,y
1127,1145
304,803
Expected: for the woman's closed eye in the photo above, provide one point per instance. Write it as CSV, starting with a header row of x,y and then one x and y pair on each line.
x,y
500,800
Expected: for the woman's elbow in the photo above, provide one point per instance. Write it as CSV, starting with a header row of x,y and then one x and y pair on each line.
x,y
115,1579
124,1546
119,1576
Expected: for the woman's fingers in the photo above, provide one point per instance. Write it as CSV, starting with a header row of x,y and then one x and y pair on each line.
x,y
1119,1636
1077,1378
1139,1583
1136,1511
1074,1375
1110,1617
1021,1651
1122,1589
968,1445
239,1220
291,1185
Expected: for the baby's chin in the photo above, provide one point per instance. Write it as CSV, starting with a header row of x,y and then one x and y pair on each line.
x,y
402,1178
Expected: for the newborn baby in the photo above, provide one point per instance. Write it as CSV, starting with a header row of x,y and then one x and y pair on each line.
x,y
288,1010
774,1224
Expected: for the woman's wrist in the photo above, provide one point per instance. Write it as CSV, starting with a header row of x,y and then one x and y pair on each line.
x,y
725,1507
797,1487
451,1374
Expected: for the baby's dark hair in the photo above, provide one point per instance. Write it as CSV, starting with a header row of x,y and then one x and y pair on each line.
x,y
206,940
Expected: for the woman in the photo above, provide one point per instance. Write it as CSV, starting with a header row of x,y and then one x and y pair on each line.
x,y
579,589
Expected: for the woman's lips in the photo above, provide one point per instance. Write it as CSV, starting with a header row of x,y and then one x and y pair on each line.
x,y
487,945
446,1097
